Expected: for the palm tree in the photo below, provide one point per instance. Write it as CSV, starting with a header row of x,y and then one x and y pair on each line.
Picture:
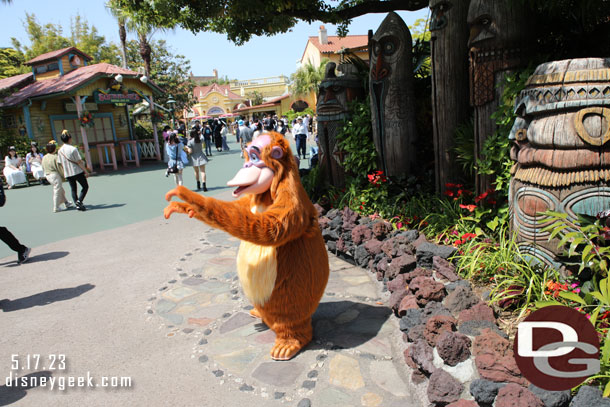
x,y
117,13
307,79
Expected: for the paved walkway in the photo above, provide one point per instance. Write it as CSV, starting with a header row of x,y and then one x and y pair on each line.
x,y
351,361
158,301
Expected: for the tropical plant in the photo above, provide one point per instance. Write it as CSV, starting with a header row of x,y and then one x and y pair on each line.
x,y
121,18
585,236
256,98
307,79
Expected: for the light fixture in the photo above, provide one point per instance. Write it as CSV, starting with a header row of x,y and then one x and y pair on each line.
x,y
171,101
144,79
119,78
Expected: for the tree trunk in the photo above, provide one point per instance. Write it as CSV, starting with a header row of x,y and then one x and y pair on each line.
x,y
123,38
145,52
449,38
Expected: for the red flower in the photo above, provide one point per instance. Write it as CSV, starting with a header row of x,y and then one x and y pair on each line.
x,y
468,236
471,208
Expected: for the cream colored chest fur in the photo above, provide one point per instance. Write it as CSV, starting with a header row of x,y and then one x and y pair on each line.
x,y
257,269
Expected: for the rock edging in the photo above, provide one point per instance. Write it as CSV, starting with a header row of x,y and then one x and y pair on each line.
x,y
453,345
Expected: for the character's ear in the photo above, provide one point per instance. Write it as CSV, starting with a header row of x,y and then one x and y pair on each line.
x,y
277,152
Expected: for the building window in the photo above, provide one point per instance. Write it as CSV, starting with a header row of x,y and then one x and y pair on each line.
x,y
299,106
8,122
53,66
40,69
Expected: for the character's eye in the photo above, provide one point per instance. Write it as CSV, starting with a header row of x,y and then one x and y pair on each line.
x,y
254,158
485,21
389,48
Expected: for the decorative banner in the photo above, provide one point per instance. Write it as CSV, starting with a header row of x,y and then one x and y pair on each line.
x,y
109,97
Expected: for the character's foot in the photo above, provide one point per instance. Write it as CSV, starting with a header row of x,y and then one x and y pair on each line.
x,y
178,207
285,349
254,312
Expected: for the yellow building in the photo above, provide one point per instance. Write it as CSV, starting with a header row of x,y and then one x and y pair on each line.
x,y
330,47
270,87
277,106
62,88
214,101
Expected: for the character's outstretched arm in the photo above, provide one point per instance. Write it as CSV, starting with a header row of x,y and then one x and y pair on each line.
x,y
274,227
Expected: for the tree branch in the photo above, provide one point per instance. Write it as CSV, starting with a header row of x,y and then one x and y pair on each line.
x,y
335,15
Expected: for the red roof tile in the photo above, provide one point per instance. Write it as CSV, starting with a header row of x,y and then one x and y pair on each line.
x,y
66,83
16,80
336,43
55,55
206,90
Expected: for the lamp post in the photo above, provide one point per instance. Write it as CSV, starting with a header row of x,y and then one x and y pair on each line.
x,y
171,102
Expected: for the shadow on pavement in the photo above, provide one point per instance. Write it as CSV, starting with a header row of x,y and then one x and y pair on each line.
x,y
347,324
38,258
16,391
45,298
103,206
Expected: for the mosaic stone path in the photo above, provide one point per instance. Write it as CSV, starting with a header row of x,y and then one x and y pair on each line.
x,y
354,359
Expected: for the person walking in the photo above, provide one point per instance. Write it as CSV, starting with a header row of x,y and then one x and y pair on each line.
x,y
195,149
245,134
55,175
74,169
206,131
299,132
23,252
224,131
177,158
216,131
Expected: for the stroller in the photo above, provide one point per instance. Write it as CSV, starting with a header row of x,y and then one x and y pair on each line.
x,y
313,157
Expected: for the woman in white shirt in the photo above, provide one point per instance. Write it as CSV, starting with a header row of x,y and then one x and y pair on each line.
x,y
12,169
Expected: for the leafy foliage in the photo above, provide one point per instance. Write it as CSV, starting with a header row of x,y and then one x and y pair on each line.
x,y
11,63
356,140
49,37
168,70
307,78
495,155
241,19
255,97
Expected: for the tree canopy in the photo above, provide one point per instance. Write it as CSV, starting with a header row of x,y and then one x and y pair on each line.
x,y
50,37
241,19
168,70
11,63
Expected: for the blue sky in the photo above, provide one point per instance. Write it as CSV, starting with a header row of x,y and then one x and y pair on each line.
x,y
260,57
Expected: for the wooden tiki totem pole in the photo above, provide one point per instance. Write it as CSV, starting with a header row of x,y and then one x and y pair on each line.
x,y
332,108
561,149
449,39
497,33
392,97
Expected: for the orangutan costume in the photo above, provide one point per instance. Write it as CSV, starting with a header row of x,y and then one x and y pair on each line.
x,y
282,261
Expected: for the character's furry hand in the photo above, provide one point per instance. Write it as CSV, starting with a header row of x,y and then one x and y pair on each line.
x,y
178,207
178,192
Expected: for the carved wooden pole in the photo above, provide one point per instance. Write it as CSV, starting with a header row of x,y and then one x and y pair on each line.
x,y
498,29
449,82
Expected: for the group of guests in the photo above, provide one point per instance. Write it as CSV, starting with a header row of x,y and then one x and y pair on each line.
x,y
198,145
52,168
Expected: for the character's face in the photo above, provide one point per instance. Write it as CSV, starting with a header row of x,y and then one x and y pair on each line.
x,y
439,8
255,177
386,46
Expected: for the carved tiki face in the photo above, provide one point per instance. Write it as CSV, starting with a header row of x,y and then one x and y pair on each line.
x,y
495,23
335,92
391,77
439,18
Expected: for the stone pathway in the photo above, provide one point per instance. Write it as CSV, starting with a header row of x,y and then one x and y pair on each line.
x,y
355,358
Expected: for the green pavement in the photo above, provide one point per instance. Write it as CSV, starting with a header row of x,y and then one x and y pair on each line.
x,y
115,198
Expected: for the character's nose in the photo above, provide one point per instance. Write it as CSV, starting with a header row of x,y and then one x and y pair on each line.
x,y
248,164
380,70
330,95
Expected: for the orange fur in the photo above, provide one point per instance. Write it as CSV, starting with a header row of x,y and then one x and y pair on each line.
x,y
289,224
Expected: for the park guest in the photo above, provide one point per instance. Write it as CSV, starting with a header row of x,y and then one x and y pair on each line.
x,y
23,252
12,169
195,149
177,158
33,160
54,173
74,169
